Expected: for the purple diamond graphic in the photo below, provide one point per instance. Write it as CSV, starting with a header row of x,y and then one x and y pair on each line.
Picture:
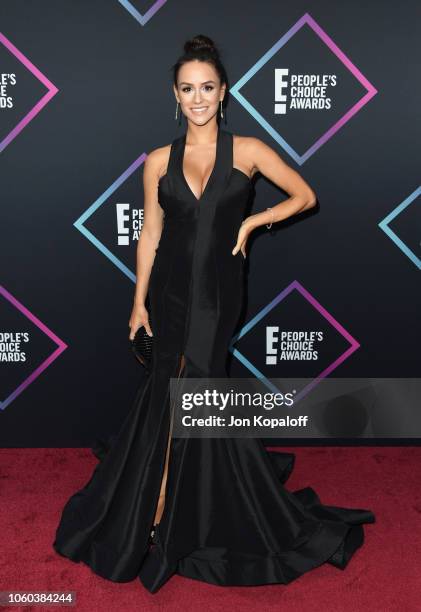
x,y
52,90
61,346
142,19
371,90
295,285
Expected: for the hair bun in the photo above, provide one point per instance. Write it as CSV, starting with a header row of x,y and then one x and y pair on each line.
x,y
200,43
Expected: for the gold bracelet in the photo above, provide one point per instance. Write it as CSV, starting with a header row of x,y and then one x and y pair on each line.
x,y
269,226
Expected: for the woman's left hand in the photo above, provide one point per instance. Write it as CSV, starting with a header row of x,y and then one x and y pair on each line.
x,y
244,232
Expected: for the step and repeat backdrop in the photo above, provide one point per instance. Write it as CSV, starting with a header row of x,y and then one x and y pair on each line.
x,y
86,94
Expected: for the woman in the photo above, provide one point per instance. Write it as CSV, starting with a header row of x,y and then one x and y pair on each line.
x,y
216,507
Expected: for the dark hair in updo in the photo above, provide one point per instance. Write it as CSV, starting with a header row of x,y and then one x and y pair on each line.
x,y
201,48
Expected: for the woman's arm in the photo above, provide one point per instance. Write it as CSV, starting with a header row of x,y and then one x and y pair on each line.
x,y
264,159
148,239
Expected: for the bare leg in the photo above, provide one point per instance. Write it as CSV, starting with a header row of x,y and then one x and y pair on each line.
x,y
161,501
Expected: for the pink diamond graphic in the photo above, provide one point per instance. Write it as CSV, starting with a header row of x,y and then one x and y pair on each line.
x,y
61,346
51,91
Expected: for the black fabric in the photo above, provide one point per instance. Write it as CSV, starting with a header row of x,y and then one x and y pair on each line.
x,y
228,519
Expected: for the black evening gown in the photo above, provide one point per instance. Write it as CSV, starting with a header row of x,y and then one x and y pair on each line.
x,y
228,519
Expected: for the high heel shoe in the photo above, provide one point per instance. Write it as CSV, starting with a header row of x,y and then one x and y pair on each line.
x,y
152,535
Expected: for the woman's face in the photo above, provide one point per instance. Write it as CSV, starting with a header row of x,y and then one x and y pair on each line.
x,y
199,88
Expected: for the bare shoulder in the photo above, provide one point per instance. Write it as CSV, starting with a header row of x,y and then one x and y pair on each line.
x,y
250,143
247,149
156,162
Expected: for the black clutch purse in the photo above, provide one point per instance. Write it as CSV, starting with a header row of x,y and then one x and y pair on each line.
x,y
142,345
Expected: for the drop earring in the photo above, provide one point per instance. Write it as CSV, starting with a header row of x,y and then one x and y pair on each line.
x,y
222,112
176,112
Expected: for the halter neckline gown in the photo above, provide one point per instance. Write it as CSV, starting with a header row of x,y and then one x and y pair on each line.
x,y
227,519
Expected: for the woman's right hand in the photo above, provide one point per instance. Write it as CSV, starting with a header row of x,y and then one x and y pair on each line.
x,y
139,317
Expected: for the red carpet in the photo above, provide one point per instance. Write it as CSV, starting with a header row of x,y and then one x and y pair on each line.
x,y
383,576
